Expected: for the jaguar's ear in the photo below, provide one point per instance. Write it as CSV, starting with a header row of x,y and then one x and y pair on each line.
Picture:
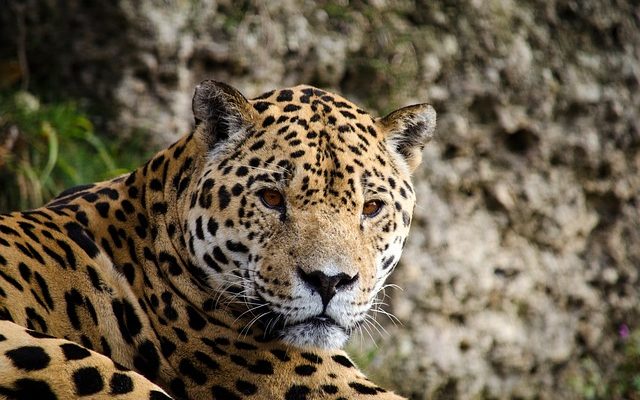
x,y
408,129
222,111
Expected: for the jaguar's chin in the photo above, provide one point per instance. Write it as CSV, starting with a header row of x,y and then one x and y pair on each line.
x,y
321,332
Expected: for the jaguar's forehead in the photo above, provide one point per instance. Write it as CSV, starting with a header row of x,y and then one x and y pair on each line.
x,y
301,95
313,123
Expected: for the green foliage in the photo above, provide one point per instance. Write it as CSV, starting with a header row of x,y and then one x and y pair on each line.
x,y
337,11
589,384
234,14
626,380
592,383
47,148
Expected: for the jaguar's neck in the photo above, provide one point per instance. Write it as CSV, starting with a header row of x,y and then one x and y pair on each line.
x,y
167,184
163,184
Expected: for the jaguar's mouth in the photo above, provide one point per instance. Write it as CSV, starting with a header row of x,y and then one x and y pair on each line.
x,y
276,323
322,320
318,331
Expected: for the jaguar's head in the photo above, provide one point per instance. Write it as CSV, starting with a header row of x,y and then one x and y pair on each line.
x,y
303,205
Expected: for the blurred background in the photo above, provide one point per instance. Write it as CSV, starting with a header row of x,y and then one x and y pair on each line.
x,y
520,279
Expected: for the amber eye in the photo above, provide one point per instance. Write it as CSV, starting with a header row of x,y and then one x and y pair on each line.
x,y
272,198
371,208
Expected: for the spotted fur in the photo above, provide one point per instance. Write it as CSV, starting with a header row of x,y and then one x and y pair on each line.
x,y
234,264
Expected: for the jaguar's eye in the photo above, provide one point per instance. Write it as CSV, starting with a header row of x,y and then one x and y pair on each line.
x,y
371,208
272,198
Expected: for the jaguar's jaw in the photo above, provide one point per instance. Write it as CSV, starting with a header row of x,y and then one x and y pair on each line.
x,y
320,332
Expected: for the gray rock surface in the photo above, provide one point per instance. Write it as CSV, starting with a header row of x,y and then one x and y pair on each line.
x,y
525,251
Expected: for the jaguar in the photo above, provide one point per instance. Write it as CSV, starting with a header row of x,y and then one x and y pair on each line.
x,y
234,264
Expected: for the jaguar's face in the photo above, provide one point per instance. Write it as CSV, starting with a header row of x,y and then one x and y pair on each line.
x,y
302,213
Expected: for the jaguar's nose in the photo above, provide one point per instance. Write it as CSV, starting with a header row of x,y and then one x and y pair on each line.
x,y
326,285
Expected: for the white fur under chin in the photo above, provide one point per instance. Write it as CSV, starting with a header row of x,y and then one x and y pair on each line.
x,y
309,334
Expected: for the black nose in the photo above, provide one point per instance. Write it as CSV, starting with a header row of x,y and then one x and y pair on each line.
x,y
326,285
